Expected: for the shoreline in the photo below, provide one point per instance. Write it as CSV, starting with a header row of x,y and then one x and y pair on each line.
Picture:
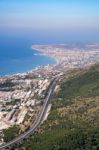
x,y
64,57
34,68
54,58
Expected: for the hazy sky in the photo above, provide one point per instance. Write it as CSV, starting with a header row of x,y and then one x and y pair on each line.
x,y
50,17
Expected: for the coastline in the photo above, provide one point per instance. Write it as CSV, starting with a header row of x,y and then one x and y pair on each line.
x,y
54,61
53,57
63,56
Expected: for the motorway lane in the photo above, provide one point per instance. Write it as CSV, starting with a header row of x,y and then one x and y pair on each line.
x,y
38,121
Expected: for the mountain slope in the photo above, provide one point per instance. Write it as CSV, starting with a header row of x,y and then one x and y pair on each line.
x,y
73,123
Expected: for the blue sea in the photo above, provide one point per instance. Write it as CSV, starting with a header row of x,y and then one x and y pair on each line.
x,y
17,56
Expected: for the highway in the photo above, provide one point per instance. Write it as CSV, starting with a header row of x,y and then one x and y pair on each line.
x,y
38,120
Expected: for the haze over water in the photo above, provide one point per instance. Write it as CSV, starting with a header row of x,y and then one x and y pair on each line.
x,y
23,23
17,56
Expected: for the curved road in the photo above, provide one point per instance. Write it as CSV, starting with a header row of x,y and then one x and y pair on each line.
x,y
38,120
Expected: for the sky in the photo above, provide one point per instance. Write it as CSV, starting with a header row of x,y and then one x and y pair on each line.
x,y
59,19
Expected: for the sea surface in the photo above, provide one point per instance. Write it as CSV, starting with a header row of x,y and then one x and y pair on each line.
x,y
17,56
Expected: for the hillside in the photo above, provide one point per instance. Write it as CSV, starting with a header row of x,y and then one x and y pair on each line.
x,y
73,123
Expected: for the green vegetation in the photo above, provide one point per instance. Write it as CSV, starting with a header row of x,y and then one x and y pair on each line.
x,y
75,139
10,133
13,102
73,123
84,85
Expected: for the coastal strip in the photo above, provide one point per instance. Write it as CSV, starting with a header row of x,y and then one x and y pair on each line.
x,y
45,52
